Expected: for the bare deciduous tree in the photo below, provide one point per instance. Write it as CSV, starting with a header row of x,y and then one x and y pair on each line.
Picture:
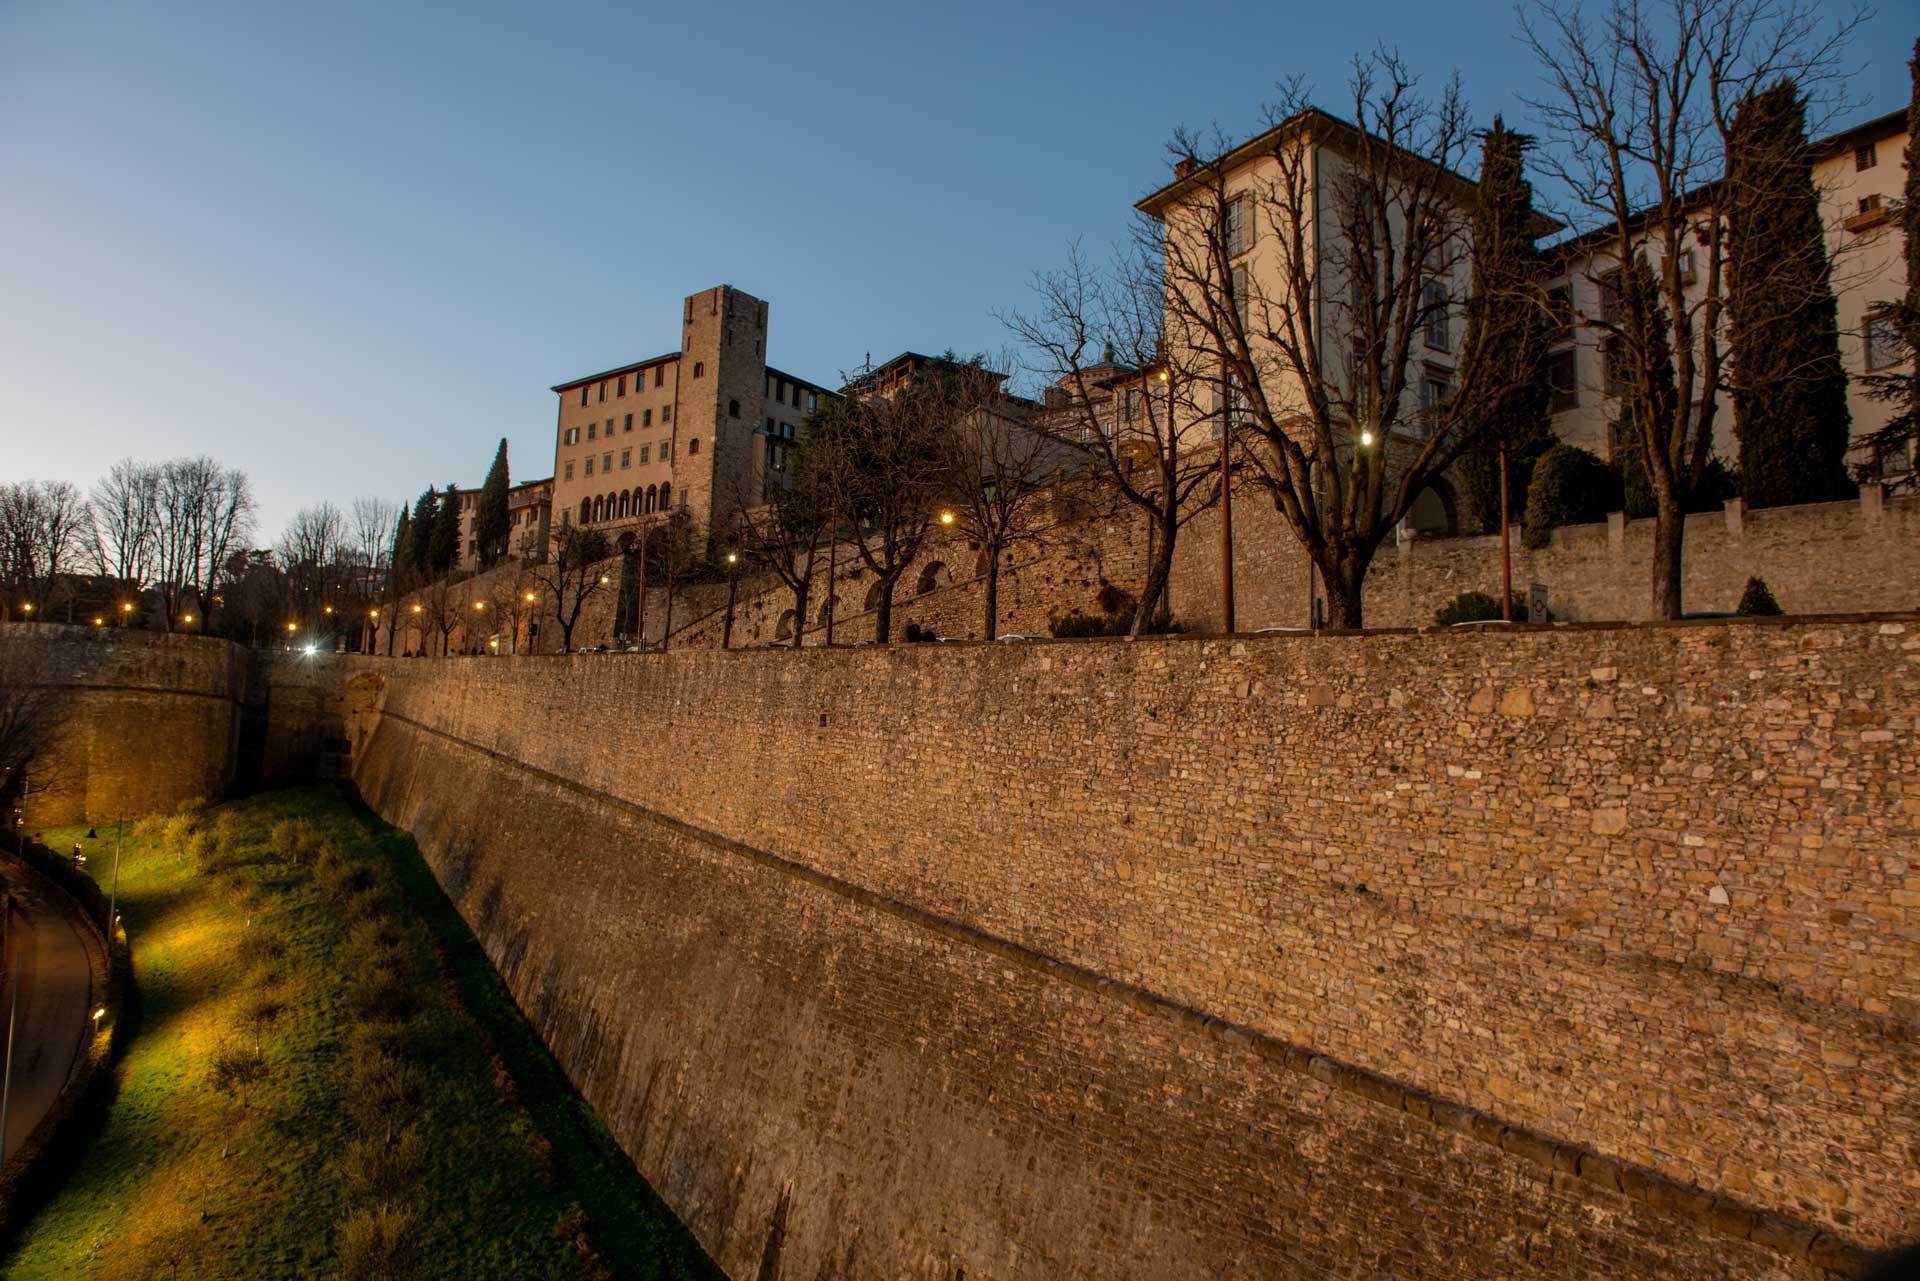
x,y
125,502
1310,272
1637,112
202,514
998,462
888,469
572,576
788,533
44,529
1098,337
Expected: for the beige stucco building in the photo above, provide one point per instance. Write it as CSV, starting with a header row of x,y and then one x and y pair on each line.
x,y
1281,227
1859,175
529,517
703,430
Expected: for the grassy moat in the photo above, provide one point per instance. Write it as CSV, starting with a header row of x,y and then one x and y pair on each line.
x,y
327,1078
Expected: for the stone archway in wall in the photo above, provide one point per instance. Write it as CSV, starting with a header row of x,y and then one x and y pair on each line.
x,y
1435,512
934,575
783,630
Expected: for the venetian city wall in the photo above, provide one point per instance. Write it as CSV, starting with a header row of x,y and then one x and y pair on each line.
x,y
1565,952
144,720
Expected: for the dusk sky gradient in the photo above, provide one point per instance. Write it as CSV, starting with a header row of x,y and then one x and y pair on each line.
x,y
348,247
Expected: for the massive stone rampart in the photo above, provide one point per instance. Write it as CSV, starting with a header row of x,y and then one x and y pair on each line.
x,y
142,720
1548,954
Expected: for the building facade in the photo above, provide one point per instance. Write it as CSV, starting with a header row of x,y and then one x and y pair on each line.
x,y
1859,175
703,431
529,521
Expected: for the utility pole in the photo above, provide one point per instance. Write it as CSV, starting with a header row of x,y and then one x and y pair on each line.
x,y
1506,551
1226,499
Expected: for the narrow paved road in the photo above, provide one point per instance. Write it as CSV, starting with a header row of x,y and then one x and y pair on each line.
x,y
50,1028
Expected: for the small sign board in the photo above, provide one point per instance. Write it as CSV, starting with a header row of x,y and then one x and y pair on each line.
x,y
1537,603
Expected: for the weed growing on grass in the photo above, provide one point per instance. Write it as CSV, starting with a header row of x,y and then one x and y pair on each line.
x,y
380,1168
378,1242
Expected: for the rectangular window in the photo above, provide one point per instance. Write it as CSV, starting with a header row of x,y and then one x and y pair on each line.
x,y
1239,227
589,465
1131,412
1610,296
1433,308
813,400
583,395
659,374
1869,204
646,418
1882,341
606,461
1237,285
592,430
1686,266
626,459
569,472
1613,354
603,389
1560,306
666,413
623,386
666,450
628,425
1864,158
1436,385
770,426
609,427
643,454
1563,389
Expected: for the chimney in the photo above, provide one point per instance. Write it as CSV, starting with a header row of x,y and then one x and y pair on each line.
x,y
1184,168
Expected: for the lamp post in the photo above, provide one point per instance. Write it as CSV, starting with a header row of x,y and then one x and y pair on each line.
x,y
733,582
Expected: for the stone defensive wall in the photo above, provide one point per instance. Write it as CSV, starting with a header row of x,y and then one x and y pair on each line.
x,y
143,720
1569,952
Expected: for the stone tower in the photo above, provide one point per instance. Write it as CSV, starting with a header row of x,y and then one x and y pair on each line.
x,y
723,376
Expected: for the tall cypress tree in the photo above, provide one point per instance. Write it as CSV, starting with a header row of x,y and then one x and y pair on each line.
x,y
1505,328
1789,388
490,511
400,563
426,512
1901,387
443,546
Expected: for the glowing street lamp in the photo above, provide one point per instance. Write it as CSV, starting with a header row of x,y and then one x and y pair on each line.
x,y
292,628
28,607
98,621
187,619
479,604
946,518
1366,438
416,609
529,598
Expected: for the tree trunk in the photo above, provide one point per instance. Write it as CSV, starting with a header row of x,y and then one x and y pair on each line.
x,y
1159,570
1669,529
801,591
992,607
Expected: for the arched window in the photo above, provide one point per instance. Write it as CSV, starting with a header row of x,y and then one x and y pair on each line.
x,y
699,368
934,575
599,510
626,501
873,598
784,630
666,495
586,510
653,494
693,445
826,611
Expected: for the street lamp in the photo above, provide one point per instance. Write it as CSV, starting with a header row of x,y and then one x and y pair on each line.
x,y
27,608
187,619
98,622
733,583
946,518
1366,438
292,628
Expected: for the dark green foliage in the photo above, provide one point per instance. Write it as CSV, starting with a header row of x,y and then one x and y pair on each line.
x,y
1900,386
1478,607
400,564
1710,493
1078,624
1758,600
426,517
1789,390
1642,358
490,511
443,547
1570,487
1507,335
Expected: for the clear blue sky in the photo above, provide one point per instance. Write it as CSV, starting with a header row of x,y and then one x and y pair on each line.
x,y
347,246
